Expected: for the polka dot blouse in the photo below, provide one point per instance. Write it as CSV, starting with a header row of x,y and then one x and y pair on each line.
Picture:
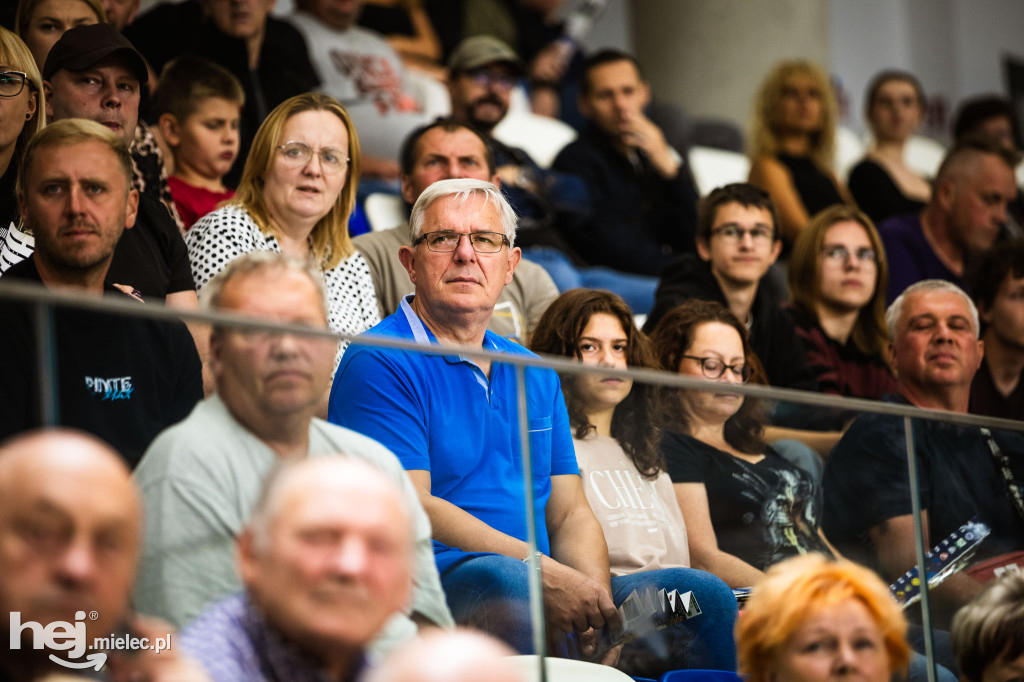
x,y
227,233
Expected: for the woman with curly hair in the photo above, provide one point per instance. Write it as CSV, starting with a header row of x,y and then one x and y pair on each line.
x,y
616,435
792,144
746,507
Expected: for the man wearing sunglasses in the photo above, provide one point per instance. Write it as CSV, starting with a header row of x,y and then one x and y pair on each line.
x,y
453,422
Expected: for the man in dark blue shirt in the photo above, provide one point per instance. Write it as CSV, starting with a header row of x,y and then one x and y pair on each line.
x,y
964,471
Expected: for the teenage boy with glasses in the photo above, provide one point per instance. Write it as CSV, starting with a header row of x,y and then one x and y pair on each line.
x,y
737,243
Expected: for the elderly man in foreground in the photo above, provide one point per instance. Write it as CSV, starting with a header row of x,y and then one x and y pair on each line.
x,y
201,478
326,559
965,471
69,540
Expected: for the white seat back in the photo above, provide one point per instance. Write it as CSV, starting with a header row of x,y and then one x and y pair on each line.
x,y
384,211
850,149
540,136
565,670
923,155
713,168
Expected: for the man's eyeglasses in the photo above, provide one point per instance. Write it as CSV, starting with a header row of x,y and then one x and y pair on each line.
x,y
759,234
446,241
839,254
713,368
485,77
298,154
12,83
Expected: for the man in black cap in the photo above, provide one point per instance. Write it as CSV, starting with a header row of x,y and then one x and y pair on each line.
x,y
93,72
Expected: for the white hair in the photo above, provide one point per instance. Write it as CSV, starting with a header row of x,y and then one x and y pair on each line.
x,y
281,479
895,311
462,189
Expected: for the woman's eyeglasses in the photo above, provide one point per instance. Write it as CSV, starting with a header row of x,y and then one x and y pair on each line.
x,y
12,83
298,154
714,368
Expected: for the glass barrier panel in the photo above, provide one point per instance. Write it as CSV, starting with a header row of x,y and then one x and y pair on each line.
x,y
695,484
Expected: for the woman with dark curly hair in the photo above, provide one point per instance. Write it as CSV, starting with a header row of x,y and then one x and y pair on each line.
x,y
616,435
746,507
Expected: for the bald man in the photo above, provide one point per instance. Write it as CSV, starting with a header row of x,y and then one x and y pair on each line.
x,y
460,656
967,212
70,533
326,560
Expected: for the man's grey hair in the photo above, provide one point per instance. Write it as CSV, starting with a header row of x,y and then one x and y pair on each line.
x,y
895,311
278,482
211,296
462,189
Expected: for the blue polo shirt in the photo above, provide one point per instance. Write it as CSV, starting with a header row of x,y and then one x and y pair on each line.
x,y
438,412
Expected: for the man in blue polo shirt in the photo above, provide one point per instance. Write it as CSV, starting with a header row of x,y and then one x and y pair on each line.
x,y
453,423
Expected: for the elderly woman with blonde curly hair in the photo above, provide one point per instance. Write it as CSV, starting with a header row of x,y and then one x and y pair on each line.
x,y
792,144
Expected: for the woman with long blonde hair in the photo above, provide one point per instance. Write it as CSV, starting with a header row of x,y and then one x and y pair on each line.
x,y
297,192
793,142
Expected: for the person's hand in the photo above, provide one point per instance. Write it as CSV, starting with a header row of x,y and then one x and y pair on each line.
x,y
169,665
641,133
573,602
550,63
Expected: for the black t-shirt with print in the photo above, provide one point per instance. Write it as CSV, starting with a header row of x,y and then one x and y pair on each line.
x,y
123,379
762,513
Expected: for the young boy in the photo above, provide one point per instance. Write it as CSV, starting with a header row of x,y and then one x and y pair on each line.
x,y
198,105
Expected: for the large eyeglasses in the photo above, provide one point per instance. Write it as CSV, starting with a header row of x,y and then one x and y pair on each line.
x,y
713,368
298,154
12,83
839,255
759,234
446,241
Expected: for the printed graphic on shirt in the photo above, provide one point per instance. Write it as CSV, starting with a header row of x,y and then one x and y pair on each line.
x,y
375,79
115,388
634,497
786,515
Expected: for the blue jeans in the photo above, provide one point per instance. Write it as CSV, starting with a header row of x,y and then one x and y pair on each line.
x,y
636,290
490,593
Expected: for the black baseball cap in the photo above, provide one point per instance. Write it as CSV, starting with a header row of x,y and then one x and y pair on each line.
x,y
82,46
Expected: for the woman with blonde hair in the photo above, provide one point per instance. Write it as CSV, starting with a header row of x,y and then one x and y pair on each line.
x,y
297,192
40,23
838,278
22,114
812,618
792,144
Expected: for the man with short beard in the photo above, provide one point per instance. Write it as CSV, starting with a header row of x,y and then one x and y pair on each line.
x,y
482,71
121,378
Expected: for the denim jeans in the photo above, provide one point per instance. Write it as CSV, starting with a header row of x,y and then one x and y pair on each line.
x,y
490,593
636,290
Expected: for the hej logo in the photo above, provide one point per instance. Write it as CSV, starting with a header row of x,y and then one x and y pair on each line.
x,y
60,636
